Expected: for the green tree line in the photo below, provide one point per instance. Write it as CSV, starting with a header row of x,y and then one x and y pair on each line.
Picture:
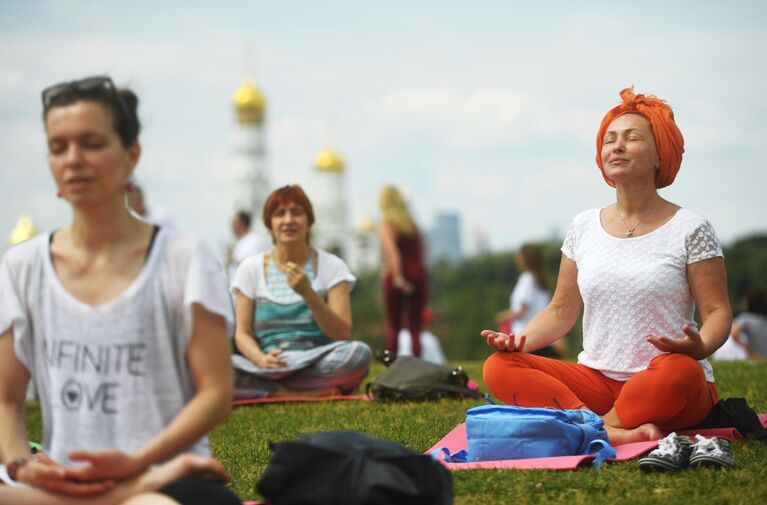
x,y
465,297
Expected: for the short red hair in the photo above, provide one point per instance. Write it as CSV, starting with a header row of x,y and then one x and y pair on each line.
x,y
292,193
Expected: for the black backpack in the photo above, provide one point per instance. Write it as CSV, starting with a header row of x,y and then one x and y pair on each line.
x,y
409,378
736,413
351,468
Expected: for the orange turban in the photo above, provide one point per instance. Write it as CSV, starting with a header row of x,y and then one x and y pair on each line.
x,y
668,139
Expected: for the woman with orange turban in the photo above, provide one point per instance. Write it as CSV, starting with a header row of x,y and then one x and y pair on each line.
x,y
637,268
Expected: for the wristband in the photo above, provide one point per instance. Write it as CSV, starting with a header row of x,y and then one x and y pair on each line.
x,y
14,466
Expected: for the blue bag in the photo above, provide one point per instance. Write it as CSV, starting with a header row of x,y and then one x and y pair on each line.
x,y
498,432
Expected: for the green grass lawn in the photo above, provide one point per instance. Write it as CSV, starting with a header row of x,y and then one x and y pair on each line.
x,y
242,444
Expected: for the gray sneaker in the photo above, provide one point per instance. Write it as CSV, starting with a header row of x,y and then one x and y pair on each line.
x,y
711,452
671,455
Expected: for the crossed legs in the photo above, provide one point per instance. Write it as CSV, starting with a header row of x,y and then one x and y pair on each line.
x,y
672,393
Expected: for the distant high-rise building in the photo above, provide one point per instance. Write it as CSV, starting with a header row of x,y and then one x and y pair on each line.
x,y
252,183
444,239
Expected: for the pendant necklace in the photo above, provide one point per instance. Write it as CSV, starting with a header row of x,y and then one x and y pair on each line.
x,y
630,231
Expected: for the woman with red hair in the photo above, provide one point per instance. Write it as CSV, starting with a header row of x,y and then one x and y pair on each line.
x,y
293,312
638,268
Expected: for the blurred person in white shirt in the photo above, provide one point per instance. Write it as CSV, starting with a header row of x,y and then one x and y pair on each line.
x,y
248,243
431,349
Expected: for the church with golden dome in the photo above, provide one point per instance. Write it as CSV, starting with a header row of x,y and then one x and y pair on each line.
x,y
25,229
325,185
252,183
327,190
358,246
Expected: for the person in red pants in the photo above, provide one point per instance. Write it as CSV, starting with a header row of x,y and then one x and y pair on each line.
x,y
638,268
403,273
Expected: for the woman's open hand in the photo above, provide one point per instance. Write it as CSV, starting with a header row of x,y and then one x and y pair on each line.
x,y
504,342
271,359
691,344
183,465
42,472
104,465
403,285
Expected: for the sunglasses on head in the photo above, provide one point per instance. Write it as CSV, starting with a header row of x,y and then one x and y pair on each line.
x,y
96,85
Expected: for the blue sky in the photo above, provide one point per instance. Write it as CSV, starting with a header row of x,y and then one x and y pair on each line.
x,y
485,108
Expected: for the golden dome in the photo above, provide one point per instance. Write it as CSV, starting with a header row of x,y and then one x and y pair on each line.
x,y
249,103
24,230
329,161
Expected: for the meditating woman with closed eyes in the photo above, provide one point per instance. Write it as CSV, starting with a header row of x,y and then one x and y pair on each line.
x,y
122,325
638,268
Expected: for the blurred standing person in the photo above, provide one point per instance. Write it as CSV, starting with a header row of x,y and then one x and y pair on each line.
x,y
248,242
530,296
749,329
403,273
431,349
160,216
748,332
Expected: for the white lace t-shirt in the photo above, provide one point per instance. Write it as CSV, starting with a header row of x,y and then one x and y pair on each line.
x,y
634,287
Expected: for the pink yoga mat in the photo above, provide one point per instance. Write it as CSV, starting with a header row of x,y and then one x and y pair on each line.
x,y
456,441
255,401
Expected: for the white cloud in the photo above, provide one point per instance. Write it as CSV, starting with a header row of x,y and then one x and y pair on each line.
x,y
490,112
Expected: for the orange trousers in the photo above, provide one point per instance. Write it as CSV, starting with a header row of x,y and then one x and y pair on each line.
x,y
671,392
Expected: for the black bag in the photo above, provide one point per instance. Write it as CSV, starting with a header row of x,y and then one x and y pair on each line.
x,y
351,468
735,412
410,378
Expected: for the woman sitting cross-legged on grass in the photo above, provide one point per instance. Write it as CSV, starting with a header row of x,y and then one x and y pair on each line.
x,y
123,326
637,267
293,312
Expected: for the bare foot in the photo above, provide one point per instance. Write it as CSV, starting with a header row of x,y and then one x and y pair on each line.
x,y
619,436
313,393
